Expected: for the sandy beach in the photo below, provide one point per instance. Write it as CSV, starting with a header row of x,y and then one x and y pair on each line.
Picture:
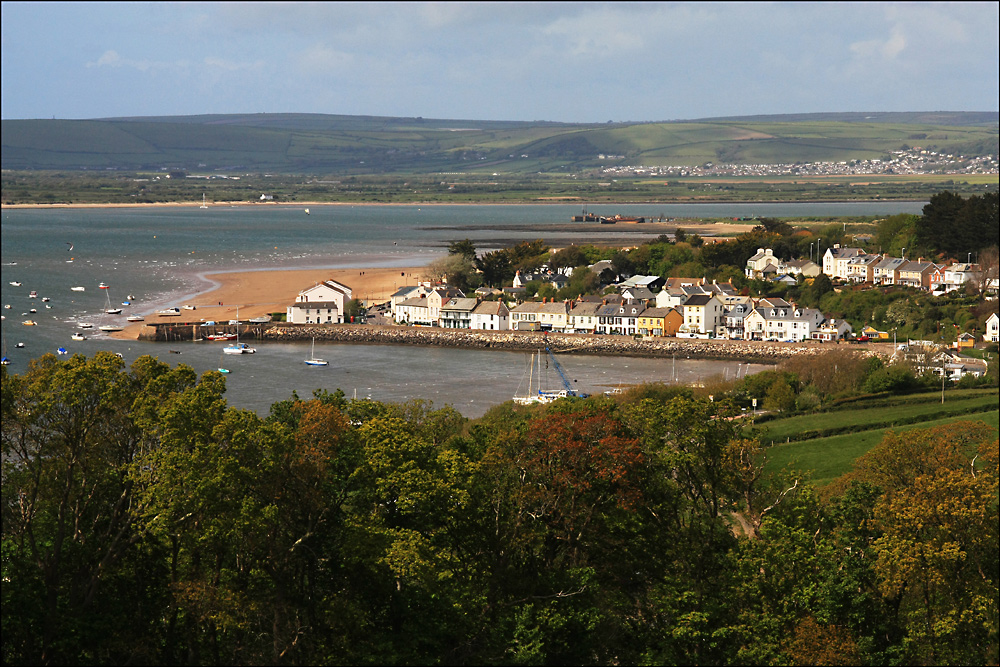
x,y
260,293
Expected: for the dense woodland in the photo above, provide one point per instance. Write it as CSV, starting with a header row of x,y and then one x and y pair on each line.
x,y
145,522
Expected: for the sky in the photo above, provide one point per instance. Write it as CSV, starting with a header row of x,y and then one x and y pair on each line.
x,y
562,61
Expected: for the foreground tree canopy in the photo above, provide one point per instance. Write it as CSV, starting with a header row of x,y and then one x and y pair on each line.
x,y
145,522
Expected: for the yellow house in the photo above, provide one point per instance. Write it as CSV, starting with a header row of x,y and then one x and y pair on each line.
x,y
659,322
872,332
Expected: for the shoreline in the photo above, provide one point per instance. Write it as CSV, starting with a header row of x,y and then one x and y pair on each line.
x,y
541,202
265,291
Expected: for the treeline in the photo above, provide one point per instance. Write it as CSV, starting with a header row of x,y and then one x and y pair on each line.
x,y
145,522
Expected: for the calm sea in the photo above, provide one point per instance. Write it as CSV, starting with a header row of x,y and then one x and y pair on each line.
x,y
159,255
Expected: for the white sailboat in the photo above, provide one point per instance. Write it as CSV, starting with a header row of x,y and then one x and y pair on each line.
x,y
312,360
238,347
204,204
109,309
535,392
533,395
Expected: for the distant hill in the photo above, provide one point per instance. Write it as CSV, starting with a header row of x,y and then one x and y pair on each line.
x,y
320,143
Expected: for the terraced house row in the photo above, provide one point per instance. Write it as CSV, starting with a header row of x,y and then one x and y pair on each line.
x,y
854,265
643,306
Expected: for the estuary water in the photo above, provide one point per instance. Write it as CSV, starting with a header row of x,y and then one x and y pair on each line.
x,y
160,254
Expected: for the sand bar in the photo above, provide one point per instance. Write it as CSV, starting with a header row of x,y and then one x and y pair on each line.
x,y
260,293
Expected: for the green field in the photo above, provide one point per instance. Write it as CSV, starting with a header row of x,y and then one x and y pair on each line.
x,y
826,458
327,144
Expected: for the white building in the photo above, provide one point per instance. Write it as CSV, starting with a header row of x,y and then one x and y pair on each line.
x,y
992,334
835,260
320,304
778,320
491,316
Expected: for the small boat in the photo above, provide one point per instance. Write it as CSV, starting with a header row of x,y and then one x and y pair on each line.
x,y
85,325
104,286
5,362
32,294
78,336
168,311
62,350
312,360
108,328
238,347
220,336
263,319
45,298
131,297
224,371
7,306
126,303
135,318
32,311
113,311
19,345
189,307
15,283
79,288
29,323
307,211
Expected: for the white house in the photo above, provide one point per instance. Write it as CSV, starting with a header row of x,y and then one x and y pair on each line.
x,y
491,316
456,313
835,260
832,329
758,263
776,319
703,313
320,304
992,334
583,316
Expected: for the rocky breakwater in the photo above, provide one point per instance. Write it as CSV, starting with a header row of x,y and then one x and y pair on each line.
x,y
557,342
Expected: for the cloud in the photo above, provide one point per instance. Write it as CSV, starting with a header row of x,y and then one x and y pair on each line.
x,y
888,48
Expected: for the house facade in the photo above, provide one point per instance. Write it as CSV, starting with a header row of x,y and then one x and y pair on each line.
x,y
322,303
659,322
490,316
835,260
457,313
703,313
759,262
548,315
992,334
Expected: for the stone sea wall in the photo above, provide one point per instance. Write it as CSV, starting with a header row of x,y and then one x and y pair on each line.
x,y
514,340
557,342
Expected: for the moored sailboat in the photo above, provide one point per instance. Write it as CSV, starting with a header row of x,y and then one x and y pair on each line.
x,y
313,360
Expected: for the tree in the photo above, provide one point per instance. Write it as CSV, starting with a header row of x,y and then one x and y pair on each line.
x,y
75,566
464,248
496,268
455,270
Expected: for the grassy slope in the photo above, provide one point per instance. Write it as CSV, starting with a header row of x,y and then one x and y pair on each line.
x,y
313,142
828,458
